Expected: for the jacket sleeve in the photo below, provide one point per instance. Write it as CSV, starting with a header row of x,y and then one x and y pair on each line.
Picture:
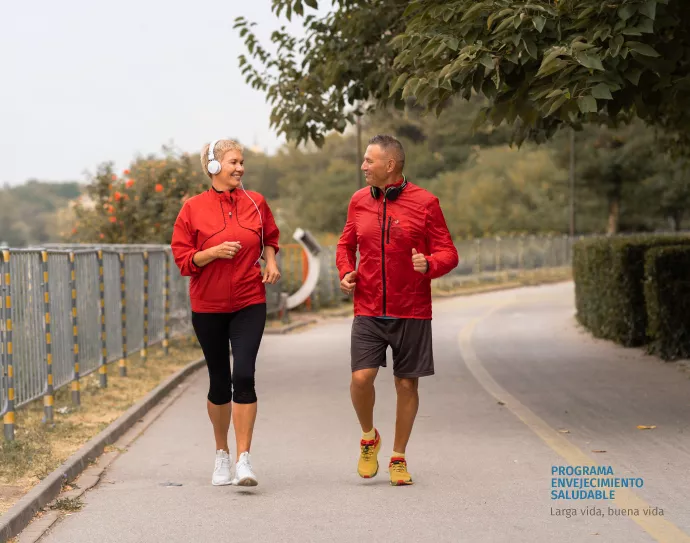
x,y
443,256
183,243
271,231
346,252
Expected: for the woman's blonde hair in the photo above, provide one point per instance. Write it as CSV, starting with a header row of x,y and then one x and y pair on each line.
x,y
222,147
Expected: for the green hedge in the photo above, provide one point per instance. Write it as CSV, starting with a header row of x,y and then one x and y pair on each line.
x,y
667,294
609,276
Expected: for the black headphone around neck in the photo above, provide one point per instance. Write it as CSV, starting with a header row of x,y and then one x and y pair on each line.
x,y
392,193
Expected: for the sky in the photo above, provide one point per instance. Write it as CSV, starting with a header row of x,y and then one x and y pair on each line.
x,y
84,82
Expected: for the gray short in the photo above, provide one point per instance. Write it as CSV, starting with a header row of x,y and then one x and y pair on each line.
x,y
409,339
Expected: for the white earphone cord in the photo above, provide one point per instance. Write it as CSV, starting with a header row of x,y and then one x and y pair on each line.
x,y
261,222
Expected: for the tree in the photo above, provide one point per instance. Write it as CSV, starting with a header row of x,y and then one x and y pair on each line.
x,y
542,64
139,206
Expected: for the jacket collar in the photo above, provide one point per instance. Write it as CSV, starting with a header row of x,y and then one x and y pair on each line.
x,y
222,194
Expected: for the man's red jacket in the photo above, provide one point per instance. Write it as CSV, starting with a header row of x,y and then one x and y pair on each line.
x,y
386,231
209,219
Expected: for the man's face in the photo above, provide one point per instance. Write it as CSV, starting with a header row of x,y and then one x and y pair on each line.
x,y
377,165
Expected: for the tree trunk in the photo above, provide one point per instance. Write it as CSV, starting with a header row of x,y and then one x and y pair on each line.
x,y
614,214
677,220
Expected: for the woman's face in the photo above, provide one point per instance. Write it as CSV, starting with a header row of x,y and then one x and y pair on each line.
x,y
232,170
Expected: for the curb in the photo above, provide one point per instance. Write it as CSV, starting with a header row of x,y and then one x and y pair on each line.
x,y
22,513
290,327
495,288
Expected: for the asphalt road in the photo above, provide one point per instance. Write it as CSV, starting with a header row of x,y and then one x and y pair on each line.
x,y
519,391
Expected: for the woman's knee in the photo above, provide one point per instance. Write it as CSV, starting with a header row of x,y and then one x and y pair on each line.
x,y
244,389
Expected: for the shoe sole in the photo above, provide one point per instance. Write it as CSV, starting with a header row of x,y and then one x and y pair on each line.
x,y
247,481
370,476
401,483
222,484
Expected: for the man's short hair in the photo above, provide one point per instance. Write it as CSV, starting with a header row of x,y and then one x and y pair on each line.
x,y
390,145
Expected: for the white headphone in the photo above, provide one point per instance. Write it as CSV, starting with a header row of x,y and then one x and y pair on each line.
x,y
213,165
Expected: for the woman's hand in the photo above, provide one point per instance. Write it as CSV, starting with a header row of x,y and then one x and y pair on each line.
x,y
271,273
227,249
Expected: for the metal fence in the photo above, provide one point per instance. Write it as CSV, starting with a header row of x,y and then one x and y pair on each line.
x,y
485,257
68,311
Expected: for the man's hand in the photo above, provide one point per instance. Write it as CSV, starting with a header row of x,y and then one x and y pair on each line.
x,y
271,273
419,261
347,285
227,249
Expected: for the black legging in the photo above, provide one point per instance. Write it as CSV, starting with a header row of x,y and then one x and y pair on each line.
x,y
243,330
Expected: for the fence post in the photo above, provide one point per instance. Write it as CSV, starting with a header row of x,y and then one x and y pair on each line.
x,y
103,365
76,400
8,419
144,349
123,311
166,308
498,253
521,253
478,256
48,398
284,313
332,288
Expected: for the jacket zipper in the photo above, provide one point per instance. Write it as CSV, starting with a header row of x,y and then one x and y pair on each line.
x,y
383,254
388,234
232,268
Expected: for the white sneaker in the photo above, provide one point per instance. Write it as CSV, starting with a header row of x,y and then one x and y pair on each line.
x,y
221,473
244,475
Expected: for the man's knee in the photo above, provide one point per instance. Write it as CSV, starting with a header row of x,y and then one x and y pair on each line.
x,y
364,378
244,390
405,385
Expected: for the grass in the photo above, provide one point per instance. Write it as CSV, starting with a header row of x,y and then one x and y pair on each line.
x,y
450,286
68,505
40,448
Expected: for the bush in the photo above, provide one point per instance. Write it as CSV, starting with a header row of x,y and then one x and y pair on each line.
x,y
667,294
609,278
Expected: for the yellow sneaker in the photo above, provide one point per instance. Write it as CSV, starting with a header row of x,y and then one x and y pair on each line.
x,y
398,472
368,465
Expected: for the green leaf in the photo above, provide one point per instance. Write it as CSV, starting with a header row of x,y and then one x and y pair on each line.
x,y
626,11
504,24
551,68
487,61
474,9
645,26
587,104
585,13
557,105
555,93
551,57
581,46
642,48
453,44
602,92
590,61
531,48
634,76
648,9
538,21
398,84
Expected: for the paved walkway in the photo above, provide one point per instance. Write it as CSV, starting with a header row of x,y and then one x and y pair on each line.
x,y
514,374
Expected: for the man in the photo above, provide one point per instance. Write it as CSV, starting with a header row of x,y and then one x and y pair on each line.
x,y
403,244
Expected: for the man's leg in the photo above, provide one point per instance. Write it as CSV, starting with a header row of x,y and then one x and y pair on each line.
x,y
363,396
368,353
412,358
408,403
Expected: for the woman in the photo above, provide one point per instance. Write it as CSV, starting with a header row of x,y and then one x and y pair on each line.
x,y
219,238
